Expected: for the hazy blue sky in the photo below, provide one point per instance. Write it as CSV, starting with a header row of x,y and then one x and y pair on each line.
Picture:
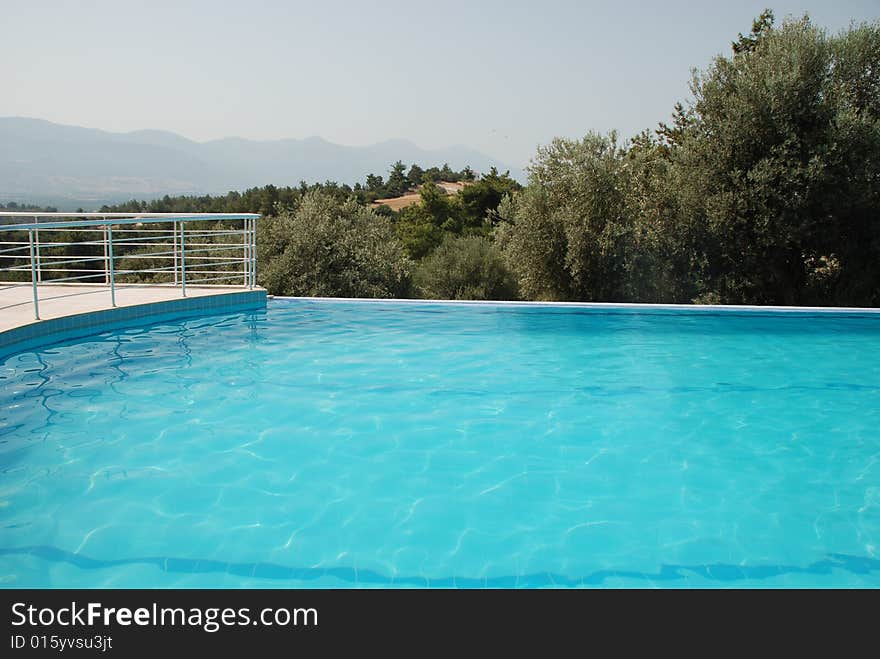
x,y
498,76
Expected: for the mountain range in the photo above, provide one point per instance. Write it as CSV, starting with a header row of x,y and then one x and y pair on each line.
x,y
70,166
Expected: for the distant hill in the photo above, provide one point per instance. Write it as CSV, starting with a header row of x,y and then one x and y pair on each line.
x,y
69,166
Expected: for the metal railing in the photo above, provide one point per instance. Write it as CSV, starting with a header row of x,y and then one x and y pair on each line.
x,y
115,250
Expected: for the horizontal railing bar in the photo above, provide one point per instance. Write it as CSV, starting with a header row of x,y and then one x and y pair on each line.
x,y
43,265
28,269
51,229
94,243
146,244
218,271
188,236
230,276
113,219
164,269
208,247
170,269
48,267
163,233
135,244
169,254
213,258
49,244
89,276
13,249
99,243
115,231
215,262
141,215
134,239
84,243
202,283
145,255
165,255
197,233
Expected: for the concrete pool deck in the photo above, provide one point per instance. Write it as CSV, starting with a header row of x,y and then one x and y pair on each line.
x,y
73,310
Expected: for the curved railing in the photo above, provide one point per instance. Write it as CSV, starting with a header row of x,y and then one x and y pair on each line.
x,y
116,249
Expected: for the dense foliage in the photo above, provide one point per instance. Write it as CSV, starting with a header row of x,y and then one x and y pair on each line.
x,y
400,181
270,199
422,227
764,190
325,247
465,268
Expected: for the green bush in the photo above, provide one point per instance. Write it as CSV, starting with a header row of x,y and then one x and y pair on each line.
x,y
570,235
465,268
328,248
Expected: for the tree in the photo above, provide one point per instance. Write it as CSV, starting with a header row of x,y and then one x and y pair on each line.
x,y
465,268
570,235
417,233
375,183
421,227
414,177
330,248
761,26
777,172
397,180
484,195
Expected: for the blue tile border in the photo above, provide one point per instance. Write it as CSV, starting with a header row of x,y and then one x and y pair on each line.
x,y
45,332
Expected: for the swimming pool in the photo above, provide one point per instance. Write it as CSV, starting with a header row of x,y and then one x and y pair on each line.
x,y
349,444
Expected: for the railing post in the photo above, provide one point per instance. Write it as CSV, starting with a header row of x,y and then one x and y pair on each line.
x,y
112,269
245,251
175,253
37,240
106,258
34,275
182,259
253,252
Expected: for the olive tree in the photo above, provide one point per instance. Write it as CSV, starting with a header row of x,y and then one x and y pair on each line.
x,y
777,168
328,248
573,233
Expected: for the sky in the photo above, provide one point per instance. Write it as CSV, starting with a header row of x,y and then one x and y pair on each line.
x,y
501,77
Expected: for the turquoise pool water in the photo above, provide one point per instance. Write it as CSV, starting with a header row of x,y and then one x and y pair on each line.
x,y
345,444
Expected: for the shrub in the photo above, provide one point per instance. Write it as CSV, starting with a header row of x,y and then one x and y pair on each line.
x,y
328,248
465,268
